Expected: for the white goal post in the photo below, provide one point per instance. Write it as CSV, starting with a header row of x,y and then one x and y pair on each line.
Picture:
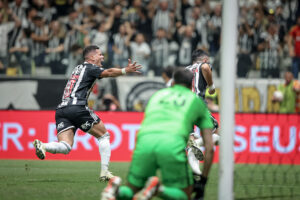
x,y
227,118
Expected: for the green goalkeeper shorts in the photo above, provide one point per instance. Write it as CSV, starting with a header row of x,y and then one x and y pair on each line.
x,y
164,153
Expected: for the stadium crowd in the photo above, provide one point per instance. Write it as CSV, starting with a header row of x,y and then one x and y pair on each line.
x,y
51,34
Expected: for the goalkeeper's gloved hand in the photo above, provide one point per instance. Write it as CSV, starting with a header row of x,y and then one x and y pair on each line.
x,y
199,187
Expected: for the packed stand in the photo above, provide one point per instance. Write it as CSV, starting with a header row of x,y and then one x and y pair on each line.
x,y
45,34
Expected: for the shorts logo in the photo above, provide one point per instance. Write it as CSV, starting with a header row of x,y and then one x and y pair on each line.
x,y
60,125
86,125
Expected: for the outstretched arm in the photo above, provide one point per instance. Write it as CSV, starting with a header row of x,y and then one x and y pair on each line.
x,y
114,72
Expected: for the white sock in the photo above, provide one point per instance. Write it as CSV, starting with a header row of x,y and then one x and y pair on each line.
x,y
216,138
57,147
194,162
199,141
104,149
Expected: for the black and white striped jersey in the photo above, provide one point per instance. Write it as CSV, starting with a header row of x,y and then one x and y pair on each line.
x,y
80,84
199,83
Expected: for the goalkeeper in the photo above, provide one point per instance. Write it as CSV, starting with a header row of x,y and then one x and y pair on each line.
x,y
169,118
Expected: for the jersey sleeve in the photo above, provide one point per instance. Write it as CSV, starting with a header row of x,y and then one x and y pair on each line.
x,y
204,119
95,71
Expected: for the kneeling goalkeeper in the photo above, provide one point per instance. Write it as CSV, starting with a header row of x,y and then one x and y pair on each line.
x,y
169,118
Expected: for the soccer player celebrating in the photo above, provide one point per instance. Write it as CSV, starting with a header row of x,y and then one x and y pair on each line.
x,y
72,113
169,118
202,79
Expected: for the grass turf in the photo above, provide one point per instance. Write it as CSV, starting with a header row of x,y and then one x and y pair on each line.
x,y
49,180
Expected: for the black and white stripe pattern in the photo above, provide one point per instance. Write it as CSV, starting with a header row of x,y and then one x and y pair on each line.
x,y
245,43
119,42
80,84
161,20
199,83
269,58
54,42
39,47
160,52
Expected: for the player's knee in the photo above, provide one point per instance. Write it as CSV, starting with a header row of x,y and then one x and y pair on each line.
x,y
106,135
67,147
216,139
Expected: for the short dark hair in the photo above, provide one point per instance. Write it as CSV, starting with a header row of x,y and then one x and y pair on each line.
x,y
183,76
198,53
168,71
89,49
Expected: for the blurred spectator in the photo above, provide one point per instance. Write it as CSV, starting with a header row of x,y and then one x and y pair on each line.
x,y
120,46
73,58
62,6
4,12
245,44
269,52
117,18
163,18
75,32
294,47
91,14
18,8
281,21
133,13
173,53
160,52
40,37
290,11
55,49
110,103
258,26
5,28
187,39
138,17
140,52
201,20
49,12
30,14
98,36
287,94
214,30
21,51
98,21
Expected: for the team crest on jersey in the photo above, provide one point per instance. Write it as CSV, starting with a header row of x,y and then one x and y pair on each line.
x,y
86,125
60,125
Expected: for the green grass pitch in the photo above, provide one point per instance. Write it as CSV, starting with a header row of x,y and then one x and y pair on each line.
x,y
49,180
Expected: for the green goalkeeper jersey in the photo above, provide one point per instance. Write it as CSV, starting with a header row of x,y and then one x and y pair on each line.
x,y
175,111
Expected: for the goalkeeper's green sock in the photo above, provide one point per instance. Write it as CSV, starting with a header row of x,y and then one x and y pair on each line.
x,y
170,193
124,193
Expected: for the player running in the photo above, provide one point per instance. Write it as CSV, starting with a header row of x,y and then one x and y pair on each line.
x,y
169,118
73,113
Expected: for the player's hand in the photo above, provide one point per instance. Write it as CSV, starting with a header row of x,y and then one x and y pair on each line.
x,y
133,67
211,91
